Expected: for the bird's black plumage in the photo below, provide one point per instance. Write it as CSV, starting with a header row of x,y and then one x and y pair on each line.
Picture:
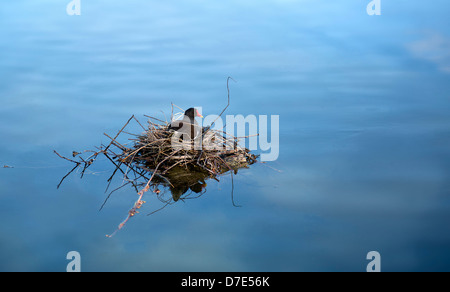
x,y
187,126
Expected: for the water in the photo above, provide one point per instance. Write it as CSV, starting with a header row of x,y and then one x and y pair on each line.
x,y
364,133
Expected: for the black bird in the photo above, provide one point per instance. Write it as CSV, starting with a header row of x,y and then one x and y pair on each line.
x,y
187,126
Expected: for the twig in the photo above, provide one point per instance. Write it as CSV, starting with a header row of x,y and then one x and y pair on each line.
x,y
228,104
232,191
66,176
153,118
66,158
139,123
126,124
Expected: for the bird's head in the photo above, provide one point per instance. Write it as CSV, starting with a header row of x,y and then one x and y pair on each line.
x,y
192,113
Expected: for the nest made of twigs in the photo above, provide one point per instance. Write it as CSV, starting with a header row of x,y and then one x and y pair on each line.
x,y
156,150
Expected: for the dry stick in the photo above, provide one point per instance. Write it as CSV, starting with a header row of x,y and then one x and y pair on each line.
x,y
86,165
113,174
164,116
228,104
107,147
117,166
66,176
177,107
73,161
131,134
154,118
139,123
139,149
115,143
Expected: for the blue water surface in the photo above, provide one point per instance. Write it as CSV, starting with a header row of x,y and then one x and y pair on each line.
x,y
364,162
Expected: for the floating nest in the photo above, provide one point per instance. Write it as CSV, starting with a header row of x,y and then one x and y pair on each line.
x,y
155,161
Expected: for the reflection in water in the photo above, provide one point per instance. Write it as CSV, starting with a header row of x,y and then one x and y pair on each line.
x,y
157,161
180,180
184,182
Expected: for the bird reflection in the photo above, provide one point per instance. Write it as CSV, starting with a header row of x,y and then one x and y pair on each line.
x,y
179,180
